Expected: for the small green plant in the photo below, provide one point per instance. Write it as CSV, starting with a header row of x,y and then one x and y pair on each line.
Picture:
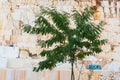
x,y
68,42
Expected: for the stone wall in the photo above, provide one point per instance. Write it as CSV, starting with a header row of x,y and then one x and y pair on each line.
x,y
13,12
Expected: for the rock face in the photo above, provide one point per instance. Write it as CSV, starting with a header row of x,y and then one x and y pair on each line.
x,y
14,12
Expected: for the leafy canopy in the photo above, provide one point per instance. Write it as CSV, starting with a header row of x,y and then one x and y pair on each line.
x,y
68,43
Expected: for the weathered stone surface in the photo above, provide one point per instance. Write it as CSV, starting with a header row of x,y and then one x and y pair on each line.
x,y
14,12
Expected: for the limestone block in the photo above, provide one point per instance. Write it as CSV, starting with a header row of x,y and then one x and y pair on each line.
x,y
7,38
3,62
21,44
22,39
32,38
33,50
106,48
17,32
31,44
7,32
38,49
105,3
115,29
16,15
14,39
1,38
104,35
117,38
118,4
9,52
25,44
107,11
113,21
1,34
111,37
0,23
16,63
24,1
117,48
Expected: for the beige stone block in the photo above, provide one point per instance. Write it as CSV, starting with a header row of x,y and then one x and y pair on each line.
x,y
38,49
25,44
32,38
104,35
7,32
1,15
7,37
17,32
1,38
24,1
14,39
118,38
7,42
0,24
20,45
106,48
1,33
96,75
31,44
22,39
33,50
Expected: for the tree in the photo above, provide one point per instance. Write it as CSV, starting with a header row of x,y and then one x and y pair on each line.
x,y
70,42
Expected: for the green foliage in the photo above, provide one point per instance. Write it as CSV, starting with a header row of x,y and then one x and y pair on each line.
x,y
69,44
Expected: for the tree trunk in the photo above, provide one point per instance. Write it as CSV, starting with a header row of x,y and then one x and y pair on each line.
x,y
80,71
72,71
